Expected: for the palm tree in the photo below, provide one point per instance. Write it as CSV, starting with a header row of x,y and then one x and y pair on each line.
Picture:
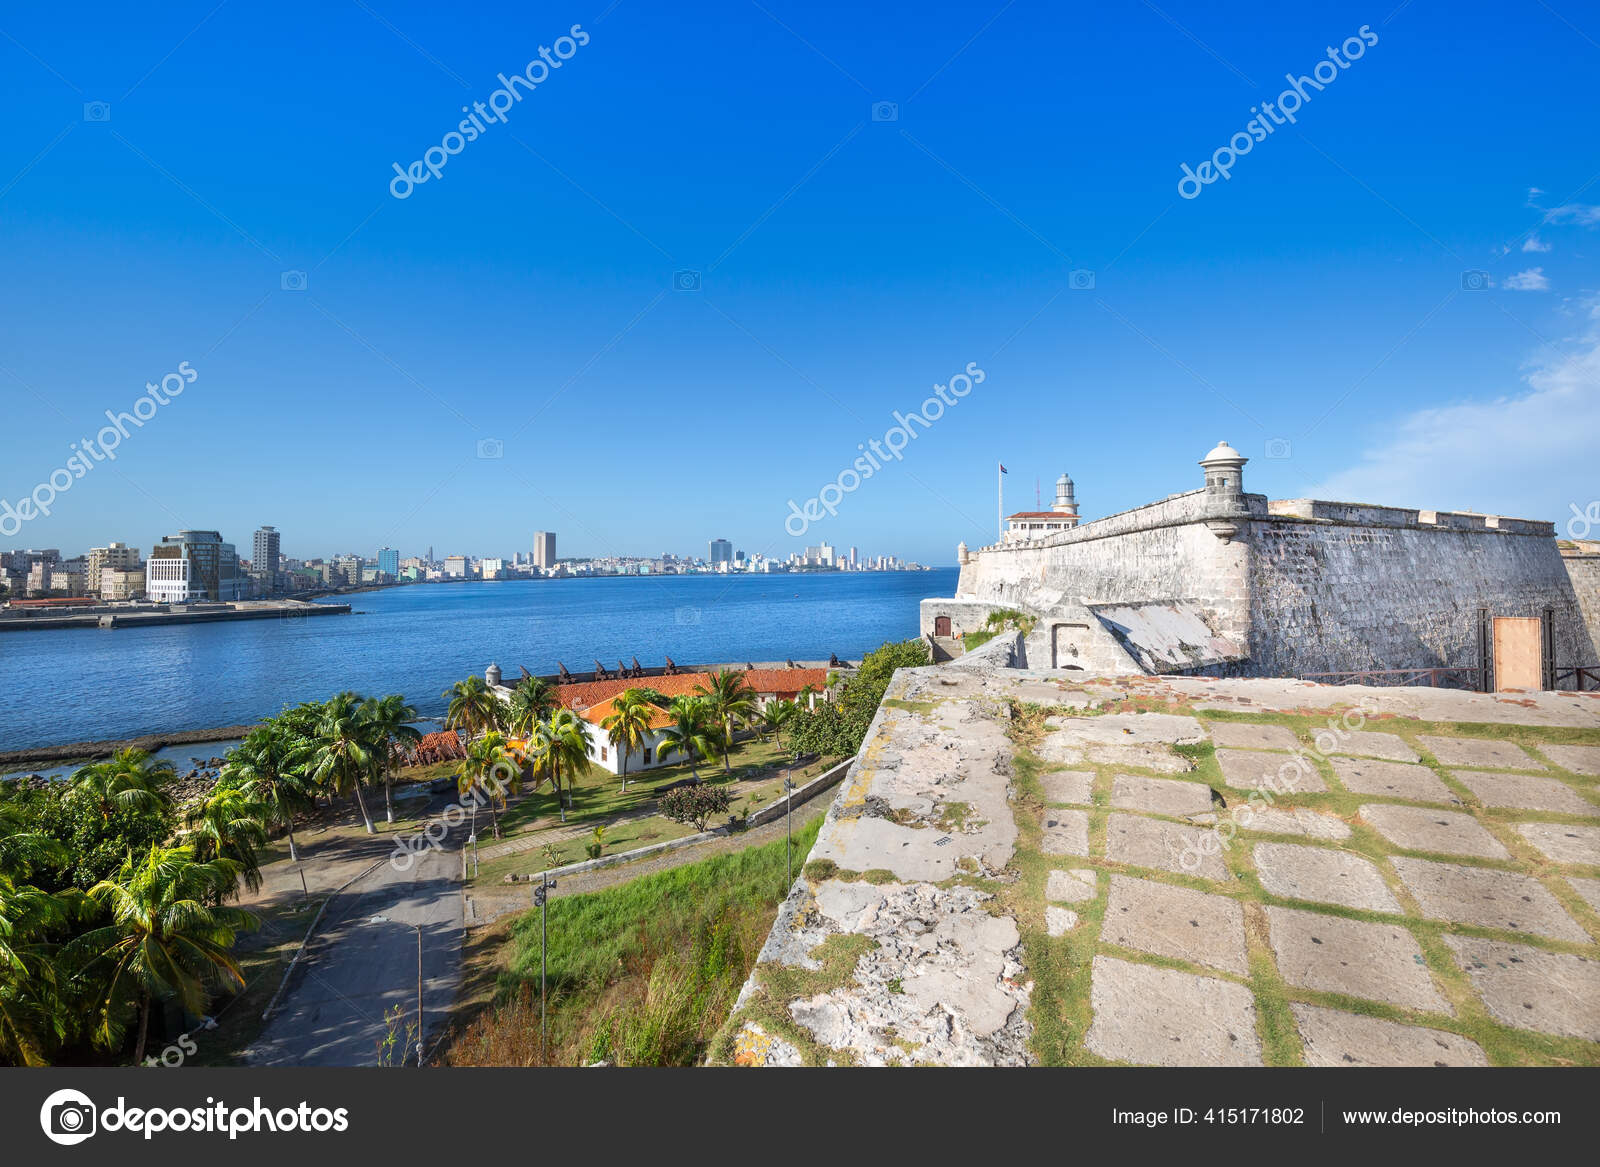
x,y
473,706
729,699
776,716
476,772
628,727
339,756
228,824
388,721
131,780
532,701
32,1015
693,731
561,750
267,768
168,934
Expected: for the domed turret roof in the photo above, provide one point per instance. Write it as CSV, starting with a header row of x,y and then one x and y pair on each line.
x,y
1223,453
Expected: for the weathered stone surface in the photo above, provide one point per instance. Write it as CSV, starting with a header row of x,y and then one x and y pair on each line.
x,y
1589,889
1068,786
1162,759
1160,795
1071,887
754,1046
1419,828
1059,921
1368,744
1578,759
1480,754
1529,988
1176,922
1392,780
1281,820
1381,962
1334,1038
1066,832
943,985
1322,875
1525,792
1142,842
1246,735
1161,1017
1563,843
1487,898
1279,773
1126,729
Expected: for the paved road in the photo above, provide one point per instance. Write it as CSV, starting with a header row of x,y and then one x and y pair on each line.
x,y
363,961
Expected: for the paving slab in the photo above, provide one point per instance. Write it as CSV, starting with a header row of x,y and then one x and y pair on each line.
x,y
1059,921
1578,759
1163,846
1280,820
1162,1017
1589,889
1528,988
1070,739
1562,843
1480,754
1335,1038
1525,792
1322,875
1246,735
1279,773
1422,828
1072,887
1393,780
1066,832
1381,962
1163,759
1487,897
1176,922
1370,744
1068,786
1160,795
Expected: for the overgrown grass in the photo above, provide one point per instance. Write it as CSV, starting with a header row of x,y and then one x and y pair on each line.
x,y
639,974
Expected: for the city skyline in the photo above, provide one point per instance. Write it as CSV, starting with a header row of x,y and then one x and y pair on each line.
x,y
1351,308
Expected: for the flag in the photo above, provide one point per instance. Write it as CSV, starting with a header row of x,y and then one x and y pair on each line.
x,y
1003,469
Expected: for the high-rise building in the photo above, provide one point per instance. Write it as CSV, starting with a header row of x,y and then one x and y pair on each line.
x,y
265,560
115,556
389,561
721,552
193,565
455,566
544,549
491,568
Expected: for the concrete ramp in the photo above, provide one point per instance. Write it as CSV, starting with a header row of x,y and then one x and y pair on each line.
x,y
1167,636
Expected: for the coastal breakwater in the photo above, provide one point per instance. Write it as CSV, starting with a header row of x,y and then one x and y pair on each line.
x,y
144,616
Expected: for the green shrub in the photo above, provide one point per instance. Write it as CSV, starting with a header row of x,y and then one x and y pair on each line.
x,y
695,804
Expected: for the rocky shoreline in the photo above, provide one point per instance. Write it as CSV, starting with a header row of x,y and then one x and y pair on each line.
x,y
93,751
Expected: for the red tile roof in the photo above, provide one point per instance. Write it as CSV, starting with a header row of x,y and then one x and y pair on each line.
x,y
784,682
597,713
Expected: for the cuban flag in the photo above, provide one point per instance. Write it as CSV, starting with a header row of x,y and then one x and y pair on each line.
x,y
1003,469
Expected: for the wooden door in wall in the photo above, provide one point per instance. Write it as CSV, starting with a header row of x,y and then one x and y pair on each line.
x,y
1518,653
941,626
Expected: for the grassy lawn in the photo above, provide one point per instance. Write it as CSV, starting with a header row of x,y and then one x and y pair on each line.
x,y
640,974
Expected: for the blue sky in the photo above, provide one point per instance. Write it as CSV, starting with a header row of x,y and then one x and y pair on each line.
x,y
1311,305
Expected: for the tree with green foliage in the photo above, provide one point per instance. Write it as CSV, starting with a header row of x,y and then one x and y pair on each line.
x,y
694,732
340,757
388,721
838,727
532,701
729,699
267,767
167,934
776,716
627,727
473,708
560,752
95,838
131,780
695,804
228,824
486,773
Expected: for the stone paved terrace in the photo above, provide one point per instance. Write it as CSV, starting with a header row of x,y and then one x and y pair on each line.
x,y
1021,870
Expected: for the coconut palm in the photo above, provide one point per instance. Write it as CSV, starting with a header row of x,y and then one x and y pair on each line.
x,y
267,767
228,824
776,716
532,701
479,773
32,1015
339,757
729,699
388,720
693,732
131,780
560,751
168,933
628,727
473,706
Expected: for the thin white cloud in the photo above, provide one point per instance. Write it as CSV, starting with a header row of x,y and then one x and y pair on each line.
x,y
1534,243
1583,214
1531,455
1532,280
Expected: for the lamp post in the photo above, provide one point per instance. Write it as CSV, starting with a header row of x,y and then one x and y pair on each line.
x,y
788,829
419,995
541,899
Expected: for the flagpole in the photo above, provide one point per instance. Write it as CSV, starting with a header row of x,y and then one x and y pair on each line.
x,y
1000,504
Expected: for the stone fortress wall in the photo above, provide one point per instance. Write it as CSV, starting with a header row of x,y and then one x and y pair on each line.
x,y
1216,580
